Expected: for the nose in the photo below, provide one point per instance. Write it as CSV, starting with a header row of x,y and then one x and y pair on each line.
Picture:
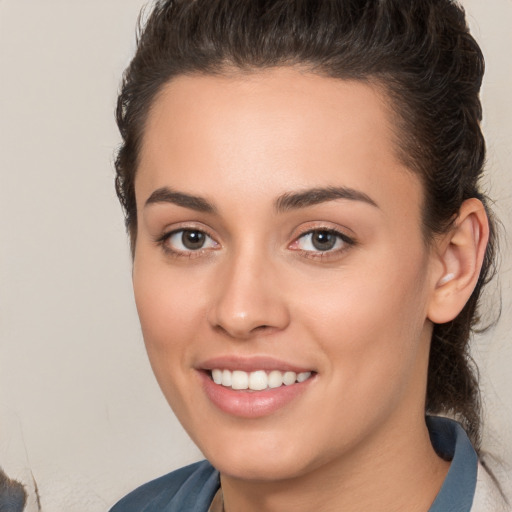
x,y
249,299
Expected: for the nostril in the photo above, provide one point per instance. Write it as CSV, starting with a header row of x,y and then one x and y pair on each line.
x,y
262,328
240,332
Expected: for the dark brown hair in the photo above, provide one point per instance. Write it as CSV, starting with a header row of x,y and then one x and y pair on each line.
x,y
419,52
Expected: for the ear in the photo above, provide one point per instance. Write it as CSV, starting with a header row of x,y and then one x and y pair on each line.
x,y
461,253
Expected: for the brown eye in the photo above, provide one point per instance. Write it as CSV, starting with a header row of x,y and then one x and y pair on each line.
x,y
188,240
192,239
318,241
323,240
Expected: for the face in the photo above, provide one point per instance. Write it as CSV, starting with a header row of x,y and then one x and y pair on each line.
x,y
280,273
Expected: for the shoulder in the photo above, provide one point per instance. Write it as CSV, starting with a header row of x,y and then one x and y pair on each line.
x,y
190,488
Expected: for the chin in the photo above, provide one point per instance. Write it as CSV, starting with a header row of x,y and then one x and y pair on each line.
x,y
260,456
268,469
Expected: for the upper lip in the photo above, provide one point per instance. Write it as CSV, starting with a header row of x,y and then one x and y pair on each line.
x,y
251,364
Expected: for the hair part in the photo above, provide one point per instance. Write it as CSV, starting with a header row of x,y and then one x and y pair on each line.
x,y
420,53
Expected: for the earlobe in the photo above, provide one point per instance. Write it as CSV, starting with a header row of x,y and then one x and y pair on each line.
x,y
461,252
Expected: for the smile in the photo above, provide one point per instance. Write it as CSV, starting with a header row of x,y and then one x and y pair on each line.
x,y
258,380
255,387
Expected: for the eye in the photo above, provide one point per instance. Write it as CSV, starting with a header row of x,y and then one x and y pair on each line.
x,y
188,240
321,240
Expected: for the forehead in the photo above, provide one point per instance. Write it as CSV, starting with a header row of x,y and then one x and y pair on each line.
x,y
266,132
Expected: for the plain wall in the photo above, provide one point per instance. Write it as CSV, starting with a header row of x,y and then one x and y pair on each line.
x,y
78,403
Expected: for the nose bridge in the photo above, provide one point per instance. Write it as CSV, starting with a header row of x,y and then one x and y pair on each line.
x,y
248,298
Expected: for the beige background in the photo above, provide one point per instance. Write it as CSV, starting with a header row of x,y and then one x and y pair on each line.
x,y
78,404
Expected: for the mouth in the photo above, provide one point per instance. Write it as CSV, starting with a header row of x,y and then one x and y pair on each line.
x,y
258,380
254,387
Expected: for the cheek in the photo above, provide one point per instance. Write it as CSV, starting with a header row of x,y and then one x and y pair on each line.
x,y
368,323
169,309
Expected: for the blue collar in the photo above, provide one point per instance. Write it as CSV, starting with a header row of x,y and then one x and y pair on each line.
x,y
451,442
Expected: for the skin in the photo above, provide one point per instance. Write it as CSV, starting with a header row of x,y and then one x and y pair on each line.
x,y
359,315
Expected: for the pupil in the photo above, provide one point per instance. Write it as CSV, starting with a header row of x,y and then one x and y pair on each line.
x,y
323,240
192,239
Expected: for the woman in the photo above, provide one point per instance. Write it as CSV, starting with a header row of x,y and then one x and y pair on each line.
x,y
300,184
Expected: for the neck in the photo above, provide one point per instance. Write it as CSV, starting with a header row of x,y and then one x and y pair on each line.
x,y
394,473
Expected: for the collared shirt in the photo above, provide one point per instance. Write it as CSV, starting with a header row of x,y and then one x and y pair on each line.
x,y
193,488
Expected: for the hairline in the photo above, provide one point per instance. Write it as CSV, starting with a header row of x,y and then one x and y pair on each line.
x,y
379,82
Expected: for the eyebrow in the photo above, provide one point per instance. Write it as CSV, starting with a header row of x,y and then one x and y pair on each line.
x,y
310,197
167,195
286,202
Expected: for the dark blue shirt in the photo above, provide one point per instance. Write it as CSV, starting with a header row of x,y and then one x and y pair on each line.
x,y
192,488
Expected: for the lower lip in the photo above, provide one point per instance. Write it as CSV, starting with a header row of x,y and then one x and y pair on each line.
x,y
251,404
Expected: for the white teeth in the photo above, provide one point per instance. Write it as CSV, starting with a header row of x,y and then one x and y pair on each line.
x,y
275,379
289,378
301,377
257,380
217,376
226,378
240,380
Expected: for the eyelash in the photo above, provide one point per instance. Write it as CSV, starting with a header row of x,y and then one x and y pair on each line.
x,y
346,243
342,238
177,253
